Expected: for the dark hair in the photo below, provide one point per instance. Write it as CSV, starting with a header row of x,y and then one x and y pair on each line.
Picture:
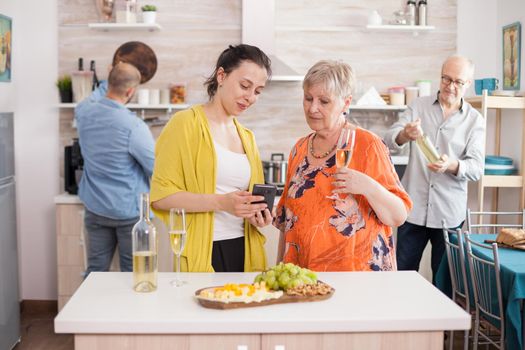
x,y
231,58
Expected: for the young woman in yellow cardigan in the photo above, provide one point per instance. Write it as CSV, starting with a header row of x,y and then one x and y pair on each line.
x,y
206,162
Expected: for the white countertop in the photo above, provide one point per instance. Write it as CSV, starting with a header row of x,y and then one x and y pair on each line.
x,y
399,160
362,302
66,198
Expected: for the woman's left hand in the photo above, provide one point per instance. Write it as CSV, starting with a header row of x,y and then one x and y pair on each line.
x,y
261,218
350,181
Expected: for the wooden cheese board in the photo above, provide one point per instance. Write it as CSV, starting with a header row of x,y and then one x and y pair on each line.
x,y
285,298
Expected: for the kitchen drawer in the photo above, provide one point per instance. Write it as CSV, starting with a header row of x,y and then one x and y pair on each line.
x,y
70,219
225,341
330,341
168,341
69,279
70,250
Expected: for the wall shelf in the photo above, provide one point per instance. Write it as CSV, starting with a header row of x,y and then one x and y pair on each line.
x,y
401,28
378,108
106,27
500,103
137,106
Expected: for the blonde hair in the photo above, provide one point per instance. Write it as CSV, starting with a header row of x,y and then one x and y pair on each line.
x,y
338,77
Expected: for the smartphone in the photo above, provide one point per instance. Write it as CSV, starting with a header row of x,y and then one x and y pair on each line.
x,y
268,191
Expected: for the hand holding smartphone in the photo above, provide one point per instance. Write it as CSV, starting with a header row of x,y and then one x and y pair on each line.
x,y
268,191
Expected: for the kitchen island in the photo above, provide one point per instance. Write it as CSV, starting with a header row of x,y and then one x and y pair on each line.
x,y
369,310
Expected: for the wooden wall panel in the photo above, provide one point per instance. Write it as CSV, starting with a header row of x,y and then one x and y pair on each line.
x,y
195,32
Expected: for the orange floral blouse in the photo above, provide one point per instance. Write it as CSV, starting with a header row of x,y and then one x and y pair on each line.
x,y
341,234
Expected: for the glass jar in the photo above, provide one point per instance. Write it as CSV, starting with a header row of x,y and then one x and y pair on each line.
x,y
126,11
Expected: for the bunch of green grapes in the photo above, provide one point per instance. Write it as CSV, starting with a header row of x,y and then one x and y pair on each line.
x,y
285,276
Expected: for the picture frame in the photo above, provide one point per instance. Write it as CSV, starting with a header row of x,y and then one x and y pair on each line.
x,y
5,48
511,56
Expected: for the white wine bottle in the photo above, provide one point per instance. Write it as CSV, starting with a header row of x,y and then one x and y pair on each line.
x,y
426,147
144,241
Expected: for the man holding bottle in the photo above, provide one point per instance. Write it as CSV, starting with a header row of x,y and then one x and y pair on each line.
x,y
118,152
438,188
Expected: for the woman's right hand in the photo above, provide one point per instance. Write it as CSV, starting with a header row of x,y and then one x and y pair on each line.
x,y
239,203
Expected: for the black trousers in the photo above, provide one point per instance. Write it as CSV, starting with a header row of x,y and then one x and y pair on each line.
x,y
411,242
228,255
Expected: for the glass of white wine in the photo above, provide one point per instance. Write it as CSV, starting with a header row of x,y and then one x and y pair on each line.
x,y
177,232
345,147
344,150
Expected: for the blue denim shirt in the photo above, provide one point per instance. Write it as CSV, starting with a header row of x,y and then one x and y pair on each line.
x,y
118,152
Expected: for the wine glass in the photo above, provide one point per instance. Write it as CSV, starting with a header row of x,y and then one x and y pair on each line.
x,y
344,150
345,147
177,233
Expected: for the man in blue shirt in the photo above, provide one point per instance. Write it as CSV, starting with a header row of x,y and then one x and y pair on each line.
x,y
118,152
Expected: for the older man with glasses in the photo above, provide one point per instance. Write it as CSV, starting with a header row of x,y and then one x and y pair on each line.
x,y
438,189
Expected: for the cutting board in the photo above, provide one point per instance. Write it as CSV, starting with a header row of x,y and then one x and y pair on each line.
x,y
284,299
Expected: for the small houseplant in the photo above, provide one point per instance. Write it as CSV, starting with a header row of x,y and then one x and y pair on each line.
x,y
149,14
65,89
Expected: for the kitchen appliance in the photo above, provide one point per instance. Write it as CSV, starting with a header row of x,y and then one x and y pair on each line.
x,y
73,167
9,299
275,171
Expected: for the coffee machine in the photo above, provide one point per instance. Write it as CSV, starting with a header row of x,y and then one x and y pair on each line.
x,y
73,167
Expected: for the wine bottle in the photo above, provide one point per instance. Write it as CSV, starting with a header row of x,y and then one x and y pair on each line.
x,y
144,242
80,63
426,147
95,79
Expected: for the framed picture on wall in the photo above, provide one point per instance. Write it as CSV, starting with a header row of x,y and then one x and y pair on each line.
x,y
5,48
511,56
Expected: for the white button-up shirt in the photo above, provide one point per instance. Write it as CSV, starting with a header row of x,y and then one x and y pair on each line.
x,y
461,136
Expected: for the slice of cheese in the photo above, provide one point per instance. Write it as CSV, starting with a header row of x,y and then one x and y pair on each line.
x,y
245,293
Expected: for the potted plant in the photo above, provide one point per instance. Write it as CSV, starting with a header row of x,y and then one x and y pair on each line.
x,y
149,14
65,89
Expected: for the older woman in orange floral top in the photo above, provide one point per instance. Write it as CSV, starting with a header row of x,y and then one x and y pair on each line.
x,y
338,219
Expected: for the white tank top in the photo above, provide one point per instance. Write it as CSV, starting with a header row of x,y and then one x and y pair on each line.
x,y
233,174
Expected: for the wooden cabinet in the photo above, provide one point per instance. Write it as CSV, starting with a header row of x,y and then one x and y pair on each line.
x,y
499,103
70,250
329,341
432,340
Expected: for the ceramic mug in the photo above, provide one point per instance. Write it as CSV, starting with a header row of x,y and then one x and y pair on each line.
x,y
143,97
478,86
490,84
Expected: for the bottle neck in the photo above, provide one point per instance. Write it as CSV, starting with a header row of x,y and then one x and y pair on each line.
x,y
144,206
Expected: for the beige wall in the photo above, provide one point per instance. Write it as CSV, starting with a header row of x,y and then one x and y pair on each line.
x,y
194,33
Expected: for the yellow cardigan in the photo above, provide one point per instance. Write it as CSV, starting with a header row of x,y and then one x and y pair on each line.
x,y
185,160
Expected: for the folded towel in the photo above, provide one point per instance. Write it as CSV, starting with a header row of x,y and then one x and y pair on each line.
x,y
511,236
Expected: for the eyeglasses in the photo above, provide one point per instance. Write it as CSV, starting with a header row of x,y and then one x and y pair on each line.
x,y
448,80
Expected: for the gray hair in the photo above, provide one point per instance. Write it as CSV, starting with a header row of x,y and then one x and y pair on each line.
x,y
338,77
467,61
122,77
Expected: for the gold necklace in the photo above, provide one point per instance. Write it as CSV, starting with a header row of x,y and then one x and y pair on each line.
x,y
321,155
